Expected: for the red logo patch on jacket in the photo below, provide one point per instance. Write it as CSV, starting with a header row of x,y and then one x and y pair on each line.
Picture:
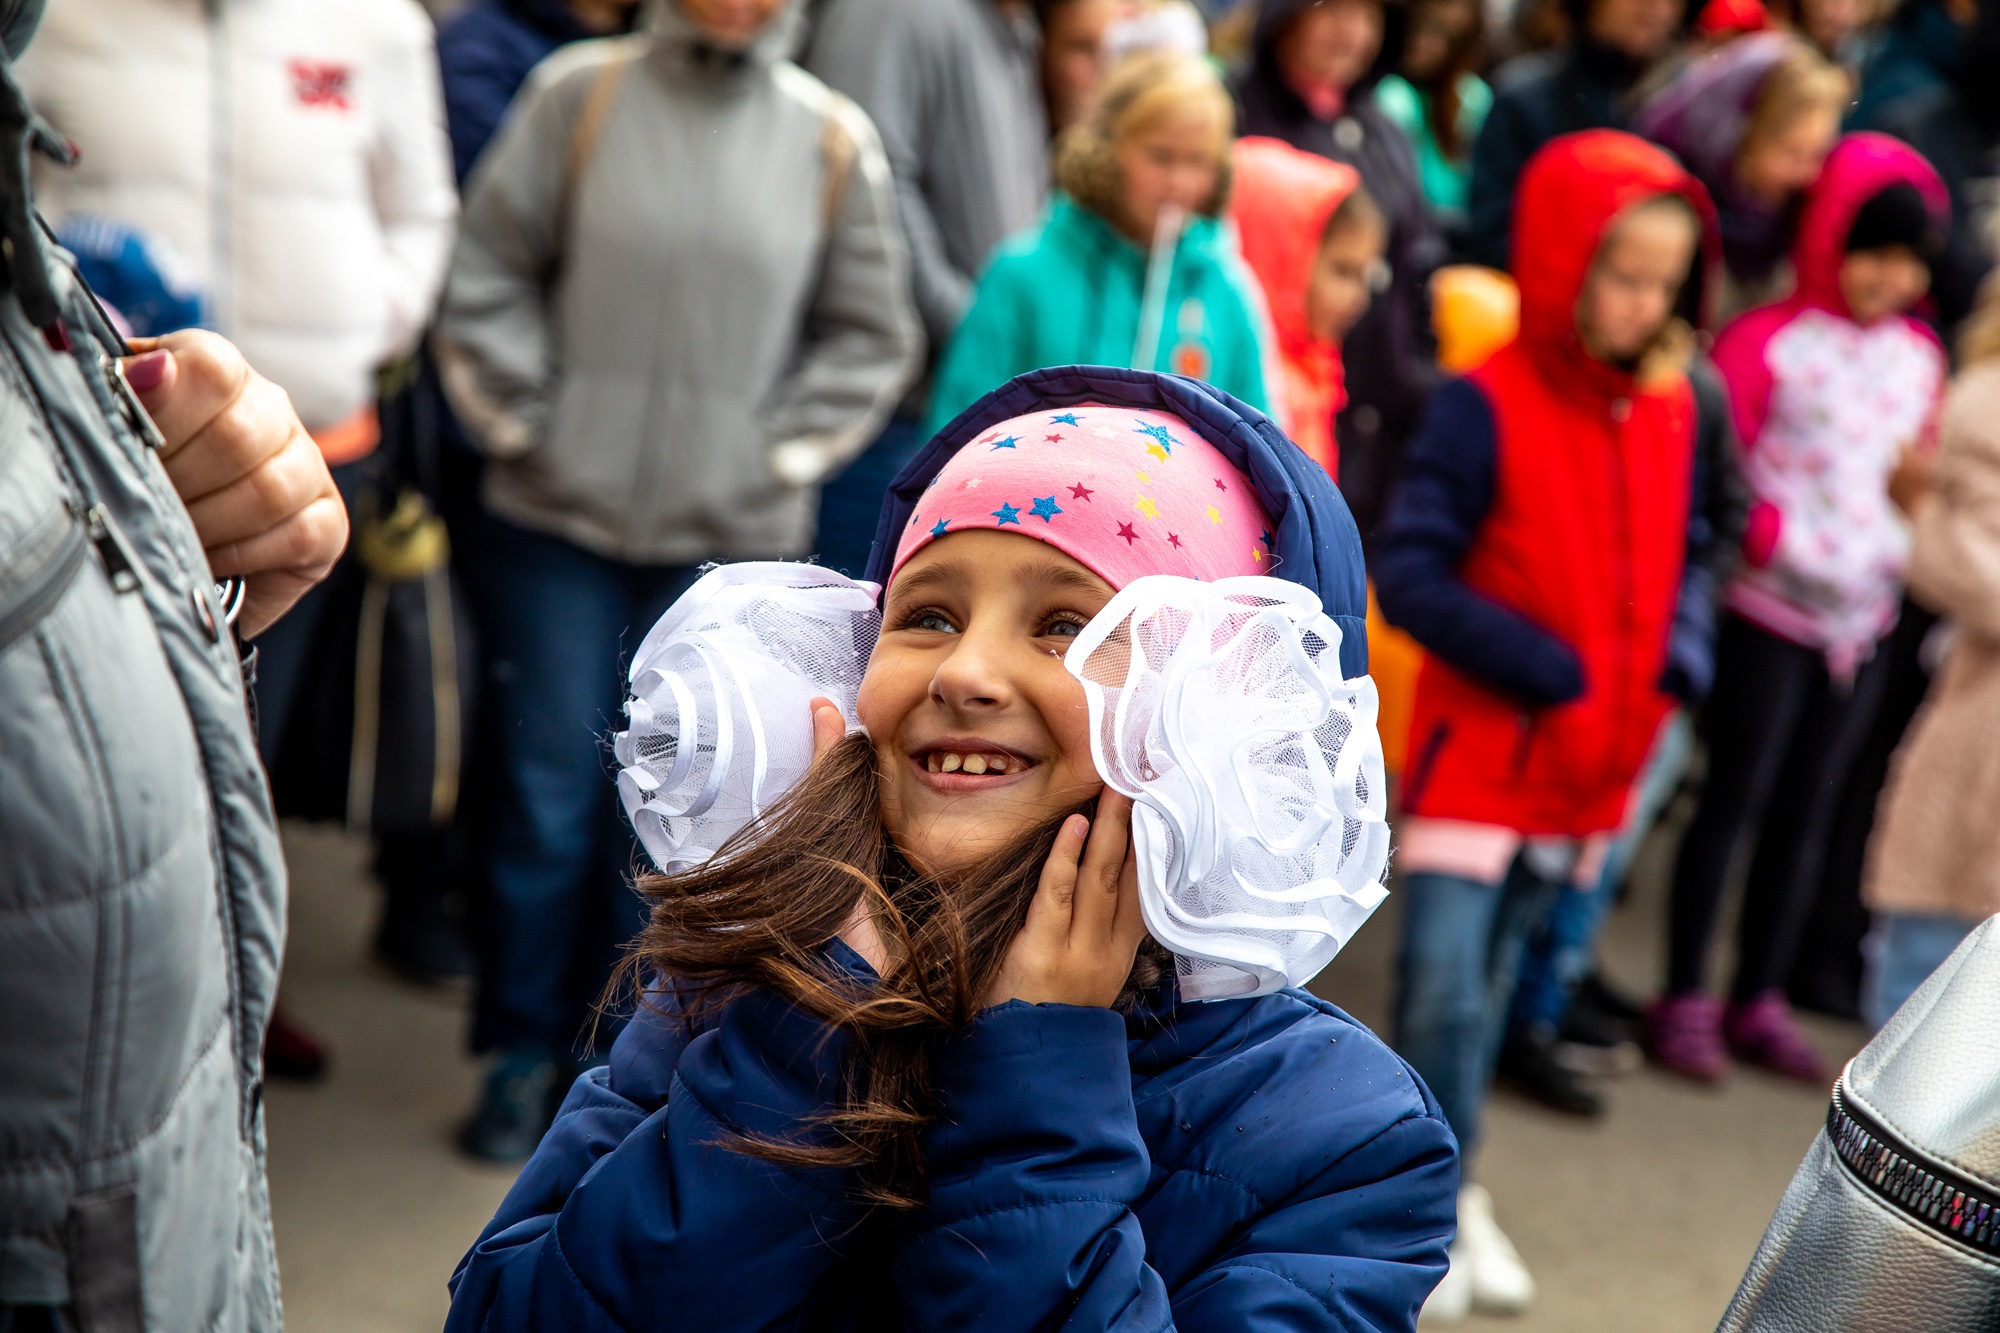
x,y
321,82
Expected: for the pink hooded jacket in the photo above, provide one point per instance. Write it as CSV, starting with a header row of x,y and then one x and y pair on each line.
x,y
1823,406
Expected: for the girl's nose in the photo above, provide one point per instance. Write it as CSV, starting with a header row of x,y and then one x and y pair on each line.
x,y
973,677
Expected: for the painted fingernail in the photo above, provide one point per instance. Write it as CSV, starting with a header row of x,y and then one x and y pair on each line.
x,y
144,373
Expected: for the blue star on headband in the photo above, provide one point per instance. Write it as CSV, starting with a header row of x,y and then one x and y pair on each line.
x,y
1007,443
1159,433
1066,418
1007,513
942,524
1046,508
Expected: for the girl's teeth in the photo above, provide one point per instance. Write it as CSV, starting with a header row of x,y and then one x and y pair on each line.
x,y
975,763
951,763
997,764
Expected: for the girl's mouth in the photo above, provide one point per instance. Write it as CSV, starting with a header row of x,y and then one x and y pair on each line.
x,y
960,766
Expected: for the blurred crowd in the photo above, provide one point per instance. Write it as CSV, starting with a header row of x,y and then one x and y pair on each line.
x,y
578,296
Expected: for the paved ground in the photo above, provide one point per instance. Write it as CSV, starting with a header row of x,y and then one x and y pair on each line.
x,y
1641,1222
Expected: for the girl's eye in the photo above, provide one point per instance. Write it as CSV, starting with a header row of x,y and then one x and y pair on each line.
x,y
935,621
1062,629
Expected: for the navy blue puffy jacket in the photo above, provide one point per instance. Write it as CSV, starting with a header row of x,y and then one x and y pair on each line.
x,y
1244,1165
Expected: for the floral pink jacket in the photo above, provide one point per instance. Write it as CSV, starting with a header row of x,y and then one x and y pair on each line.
x,y
1823,405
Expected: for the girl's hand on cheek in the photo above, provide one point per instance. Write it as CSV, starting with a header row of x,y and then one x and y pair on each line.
x,y
1084,926
829,727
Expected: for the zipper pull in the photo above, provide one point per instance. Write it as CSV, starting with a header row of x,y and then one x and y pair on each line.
x,y
136,415
119,566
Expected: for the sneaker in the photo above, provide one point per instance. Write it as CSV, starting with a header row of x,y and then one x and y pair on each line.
x,y
1764,1033
1528,1064
1451,1300
1500,1281
290,1052
515,1108
1684,1036
1592,1042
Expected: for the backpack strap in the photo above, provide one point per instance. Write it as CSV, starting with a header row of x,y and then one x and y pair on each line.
x,y
838,153
584,134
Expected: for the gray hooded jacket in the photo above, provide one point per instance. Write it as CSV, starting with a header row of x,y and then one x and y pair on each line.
x,y
680,296
142,893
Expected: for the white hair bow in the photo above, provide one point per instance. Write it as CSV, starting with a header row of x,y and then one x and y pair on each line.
x,y
1255,772
721,723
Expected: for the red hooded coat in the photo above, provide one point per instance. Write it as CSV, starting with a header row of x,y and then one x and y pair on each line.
x,y
1573,565
1280,201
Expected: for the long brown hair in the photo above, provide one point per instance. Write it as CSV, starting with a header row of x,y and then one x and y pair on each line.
x,y
760,913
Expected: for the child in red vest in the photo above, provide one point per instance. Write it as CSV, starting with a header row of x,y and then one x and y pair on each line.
x,y
1314,239
1535,549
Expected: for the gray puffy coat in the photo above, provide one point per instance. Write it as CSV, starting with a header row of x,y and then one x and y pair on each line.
x,y
142,893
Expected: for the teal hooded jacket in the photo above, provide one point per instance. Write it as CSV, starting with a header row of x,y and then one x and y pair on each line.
x,y
1068,291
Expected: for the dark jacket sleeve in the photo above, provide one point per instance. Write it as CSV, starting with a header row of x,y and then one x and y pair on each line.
x,y
633,1205
1718,504
1443,498
1508,138
1030,1223
481,65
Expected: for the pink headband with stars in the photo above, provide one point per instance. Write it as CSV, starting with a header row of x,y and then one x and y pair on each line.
x,y
1126,493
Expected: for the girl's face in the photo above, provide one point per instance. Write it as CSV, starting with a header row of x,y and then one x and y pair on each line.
x,y
1333,42
1773,167
731,24
1341,285
1073,56
1631,289
1171,160
1884,281
1830,22
980,733
1436,29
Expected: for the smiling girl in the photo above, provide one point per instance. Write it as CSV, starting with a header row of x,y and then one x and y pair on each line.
x,y
909,1057
1129,266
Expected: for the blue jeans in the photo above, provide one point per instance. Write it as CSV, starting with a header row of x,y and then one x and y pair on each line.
x,y
559,853
1901,951
851,500
1563,953
1462,946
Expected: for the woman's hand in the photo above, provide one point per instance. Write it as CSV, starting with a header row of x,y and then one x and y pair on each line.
x,y
252,479
1084,926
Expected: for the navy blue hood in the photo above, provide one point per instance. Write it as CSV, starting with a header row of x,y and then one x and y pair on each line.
x,y
1317,543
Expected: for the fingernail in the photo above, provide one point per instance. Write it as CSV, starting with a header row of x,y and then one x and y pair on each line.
x,y
144,373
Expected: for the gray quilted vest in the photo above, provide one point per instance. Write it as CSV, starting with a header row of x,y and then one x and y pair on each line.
x,y
142,894
1892,1223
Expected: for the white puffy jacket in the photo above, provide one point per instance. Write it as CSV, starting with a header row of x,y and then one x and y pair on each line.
x,y
291,154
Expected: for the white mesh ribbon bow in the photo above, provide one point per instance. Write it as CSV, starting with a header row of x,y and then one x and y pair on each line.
x,y
720,722
1256,773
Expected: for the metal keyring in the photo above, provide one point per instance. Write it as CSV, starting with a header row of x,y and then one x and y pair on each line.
x,y
230,593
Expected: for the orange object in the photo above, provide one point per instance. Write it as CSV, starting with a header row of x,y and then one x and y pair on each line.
x,y
1393,660
1280,201
351,438
1475,312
